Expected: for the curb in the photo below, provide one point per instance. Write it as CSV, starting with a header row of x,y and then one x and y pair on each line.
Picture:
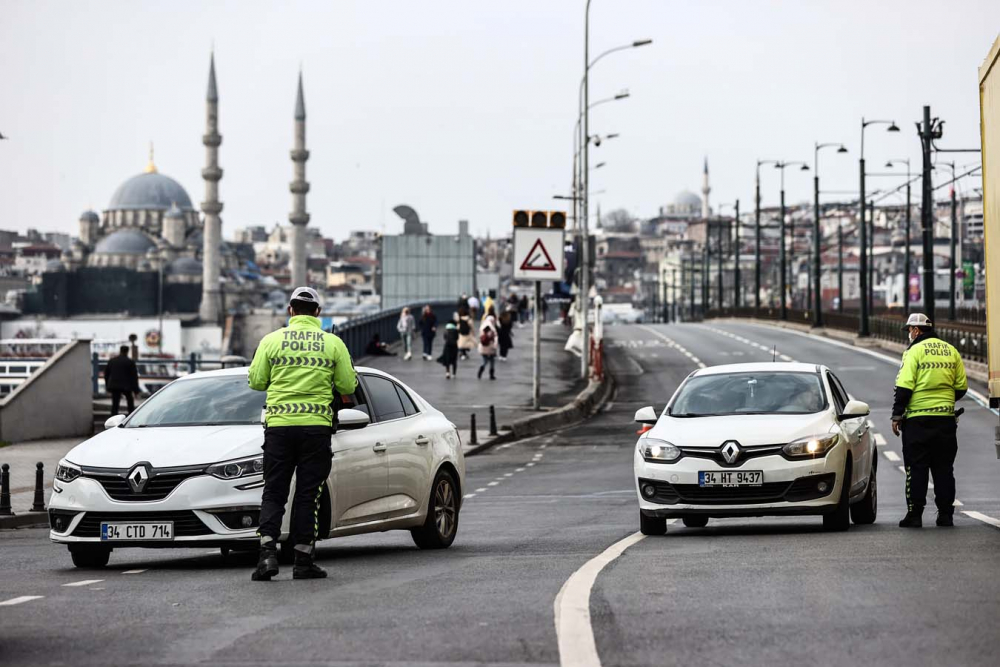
x,y
33,519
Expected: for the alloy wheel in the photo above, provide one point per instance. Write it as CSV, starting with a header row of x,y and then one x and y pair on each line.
x,y
444,507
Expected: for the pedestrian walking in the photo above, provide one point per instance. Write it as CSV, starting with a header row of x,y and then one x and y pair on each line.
x,y
300,367
489,303
466,342
488,345
505,336
121,378
930,380
522,309
428,329
473,305
406,326
449,355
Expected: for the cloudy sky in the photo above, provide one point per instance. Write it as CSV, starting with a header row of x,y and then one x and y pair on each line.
x,y
465,110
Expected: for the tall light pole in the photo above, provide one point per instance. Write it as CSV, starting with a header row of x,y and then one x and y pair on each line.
x,y
736,255
817,251
781,248
953,241
907,255
863,328
756,224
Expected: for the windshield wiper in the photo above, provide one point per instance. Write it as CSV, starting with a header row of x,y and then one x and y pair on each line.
x,y
691,414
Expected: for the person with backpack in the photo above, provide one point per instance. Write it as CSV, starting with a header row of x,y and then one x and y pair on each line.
x,y
449,356
465,340
488,344
505,336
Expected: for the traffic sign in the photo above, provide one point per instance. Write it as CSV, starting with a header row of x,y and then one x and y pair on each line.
x,y
538,254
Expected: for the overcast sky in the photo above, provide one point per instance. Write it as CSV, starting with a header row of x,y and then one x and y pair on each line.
x,y
465,110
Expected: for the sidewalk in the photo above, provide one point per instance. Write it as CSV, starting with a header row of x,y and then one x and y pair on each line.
x,y
22,459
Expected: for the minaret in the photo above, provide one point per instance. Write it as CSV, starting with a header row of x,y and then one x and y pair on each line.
x,y
705,189
299,187
211,295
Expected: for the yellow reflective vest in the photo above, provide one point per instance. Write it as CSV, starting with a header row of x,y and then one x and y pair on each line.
x,y
933,370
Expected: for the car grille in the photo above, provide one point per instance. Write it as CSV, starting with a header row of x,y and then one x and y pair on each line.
x,y
186,523
803,488
161,482
745,454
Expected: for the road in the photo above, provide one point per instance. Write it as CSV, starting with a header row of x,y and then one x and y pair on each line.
x,y
741,591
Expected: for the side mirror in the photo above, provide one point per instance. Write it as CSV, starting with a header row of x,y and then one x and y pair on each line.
x,y
350,419
646,415
854,409
112,422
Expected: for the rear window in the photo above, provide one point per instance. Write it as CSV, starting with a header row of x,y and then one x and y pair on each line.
x,y
749,394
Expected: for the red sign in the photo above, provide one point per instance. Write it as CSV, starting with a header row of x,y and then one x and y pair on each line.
x,y
538,259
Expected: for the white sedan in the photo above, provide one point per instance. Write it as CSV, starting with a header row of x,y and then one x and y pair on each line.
x,y
758,439
185,470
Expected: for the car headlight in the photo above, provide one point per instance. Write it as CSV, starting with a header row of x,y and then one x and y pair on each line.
x,y
814,446
658,451
238,468
67,472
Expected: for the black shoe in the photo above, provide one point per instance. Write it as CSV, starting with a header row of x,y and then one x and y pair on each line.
x,y
479,375
305,568
912,520
946,519
267,565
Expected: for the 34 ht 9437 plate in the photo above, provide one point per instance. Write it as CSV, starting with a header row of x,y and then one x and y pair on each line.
x,y
731,478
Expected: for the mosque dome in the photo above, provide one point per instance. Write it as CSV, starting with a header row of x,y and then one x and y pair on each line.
x,y
89,216
150,191
124,242
687,199
185,266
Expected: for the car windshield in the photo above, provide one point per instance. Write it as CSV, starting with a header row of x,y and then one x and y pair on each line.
x,y
225,400
749,393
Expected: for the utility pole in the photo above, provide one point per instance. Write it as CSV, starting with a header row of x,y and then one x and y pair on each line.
x,y
704,269
756,246
817,292
871,259
736,256
781,253
863,329
928,130
907,261
674,310
721,259
954,242
691,288
840,267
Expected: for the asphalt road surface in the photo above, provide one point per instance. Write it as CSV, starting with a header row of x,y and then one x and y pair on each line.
x,y
538,514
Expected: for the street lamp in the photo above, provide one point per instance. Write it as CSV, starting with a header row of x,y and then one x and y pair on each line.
x,y
817,252
863,328
781,251
907,256
953,240
756,222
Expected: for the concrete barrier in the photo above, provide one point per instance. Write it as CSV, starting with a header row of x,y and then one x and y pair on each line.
x,y
55,402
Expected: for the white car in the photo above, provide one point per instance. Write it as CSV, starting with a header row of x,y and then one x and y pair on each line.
x,y
186,470
759,439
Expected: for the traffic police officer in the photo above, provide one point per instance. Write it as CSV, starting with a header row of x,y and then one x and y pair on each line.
x,y
299,366
930,380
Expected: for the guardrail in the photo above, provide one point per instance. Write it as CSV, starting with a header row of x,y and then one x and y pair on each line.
x,y
357,333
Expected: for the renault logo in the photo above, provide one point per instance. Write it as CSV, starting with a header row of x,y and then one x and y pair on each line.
x,y
138,476
730,451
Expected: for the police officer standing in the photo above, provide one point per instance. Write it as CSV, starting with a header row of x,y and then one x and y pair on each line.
x,y
299,366
930,380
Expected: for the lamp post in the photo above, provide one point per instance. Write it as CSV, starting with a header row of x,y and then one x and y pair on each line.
x,y
781,248
840,266
863,328
907,255
817,251
953,241
756,223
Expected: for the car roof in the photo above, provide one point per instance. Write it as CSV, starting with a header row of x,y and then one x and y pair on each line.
x,y
243,370
762,367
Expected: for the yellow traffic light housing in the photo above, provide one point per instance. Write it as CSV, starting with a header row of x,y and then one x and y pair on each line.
x,y
539,219
520,218
557,220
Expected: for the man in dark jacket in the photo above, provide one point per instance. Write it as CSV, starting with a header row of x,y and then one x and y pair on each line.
x,y
121,377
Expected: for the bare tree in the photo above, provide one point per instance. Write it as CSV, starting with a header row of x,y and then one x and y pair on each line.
x,y
619,220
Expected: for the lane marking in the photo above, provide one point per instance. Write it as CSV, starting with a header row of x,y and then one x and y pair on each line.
x,y
508,474
18,600
880,440
85,582
469,495
492,483
978,516
529,464
133,571
891,455
480,489
519,470
675,345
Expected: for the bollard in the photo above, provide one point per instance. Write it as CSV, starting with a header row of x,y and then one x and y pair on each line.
x,y
473,440
493,421
39,503
5,491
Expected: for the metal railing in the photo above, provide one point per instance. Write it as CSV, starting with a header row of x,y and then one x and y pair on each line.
x,y
357,333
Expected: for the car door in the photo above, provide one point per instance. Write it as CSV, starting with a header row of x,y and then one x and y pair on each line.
x,y
409,447
360,469
854,429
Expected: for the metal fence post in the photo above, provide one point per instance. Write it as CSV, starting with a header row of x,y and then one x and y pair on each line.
x,y
5,490
96,374
473,438
193,363
39,501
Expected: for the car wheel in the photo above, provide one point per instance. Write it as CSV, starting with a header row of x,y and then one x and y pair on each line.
x,y
89,556
840,518
651,525
441,524
864,511
695,521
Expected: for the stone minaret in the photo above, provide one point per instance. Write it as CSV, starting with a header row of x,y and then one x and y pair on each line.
x,y
299,187
705,189
211,295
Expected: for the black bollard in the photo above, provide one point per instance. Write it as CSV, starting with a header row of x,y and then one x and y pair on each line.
x,y
473,440
5,491
39,503
493,421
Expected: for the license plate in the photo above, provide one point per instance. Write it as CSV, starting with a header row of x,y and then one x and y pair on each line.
x,y
123,532
731,478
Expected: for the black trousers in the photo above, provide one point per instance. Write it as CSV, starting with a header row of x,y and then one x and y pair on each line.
x,y
929,446
304,451
116,401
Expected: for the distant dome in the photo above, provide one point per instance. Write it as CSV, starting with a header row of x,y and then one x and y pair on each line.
x,y
89,216
150,191
687,199
124,242
184,266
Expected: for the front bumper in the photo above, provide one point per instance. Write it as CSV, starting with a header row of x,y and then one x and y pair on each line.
x,y
200,508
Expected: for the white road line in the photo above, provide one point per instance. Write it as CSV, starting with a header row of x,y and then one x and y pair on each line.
x,y
508,474
133,571
880,440
85,582
891,455
958,503
519,470
469,495
18,600
481,489
492,483
529,464
978,516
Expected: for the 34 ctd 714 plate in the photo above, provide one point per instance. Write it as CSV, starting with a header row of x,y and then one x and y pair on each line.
x,y
124,532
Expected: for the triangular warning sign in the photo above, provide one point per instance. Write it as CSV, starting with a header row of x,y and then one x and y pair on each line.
x,y
538,259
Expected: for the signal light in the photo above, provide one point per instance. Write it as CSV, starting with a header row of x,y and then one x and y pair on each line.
x,y
520,218
539,219
557,220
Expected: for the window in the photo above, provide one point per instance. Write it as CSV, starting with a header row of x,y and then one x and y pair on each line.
x,y
840,396
384,398
220,400
355,401
408,405
749,393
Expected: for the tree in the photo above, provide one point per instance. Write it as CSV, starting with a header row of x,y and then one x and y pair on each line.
x,y
619,220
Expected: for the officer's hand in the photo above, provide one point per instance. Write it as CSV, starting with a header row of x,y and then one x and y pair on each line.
x,y
896,424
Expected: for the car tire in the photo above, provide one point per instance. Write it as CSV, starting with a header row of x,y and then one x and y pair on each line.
x,y
840,518
865,510
441,525
652,525
90,556
695,521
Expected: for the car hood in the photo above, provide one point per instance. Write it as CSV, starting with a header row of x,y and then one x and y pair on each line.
x,y
748,430
169,446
